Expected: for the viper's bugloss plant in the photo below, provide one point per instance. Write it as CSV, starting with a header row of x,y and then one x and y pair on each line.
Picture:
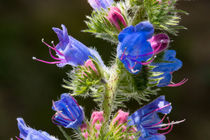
x,y
140,32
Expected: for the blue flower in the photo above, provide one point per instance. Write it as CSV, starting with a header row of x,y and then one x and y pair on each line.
x,y
68,112
98,4
69,51
148,122
167,67
133,49
27,133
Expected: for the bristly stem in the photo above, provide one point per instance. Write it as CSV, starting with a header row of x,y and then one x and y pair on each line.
x,y
64,133
109,97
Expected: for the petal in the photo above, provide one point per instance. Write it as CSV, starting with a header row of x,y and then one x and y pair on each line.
x,y
146,28
125,32
96,56
24,130
62,36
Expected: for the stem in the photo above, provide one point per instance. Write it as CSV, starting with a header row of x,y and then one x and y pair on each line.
x,y
64,133
109,97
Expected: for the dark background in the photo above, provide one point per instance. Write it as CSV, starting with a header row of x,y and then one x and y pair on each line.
x,y
27,87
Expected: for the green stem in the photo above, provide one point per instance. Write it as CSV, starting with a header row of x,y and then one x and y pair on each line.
x,y
64,133
109,97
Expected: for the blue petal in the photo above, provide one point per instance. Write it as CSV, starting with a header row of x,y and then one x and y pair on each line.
x,y
62,36
22,128
136,67
75,56
167,77
96,56
146,28
125,32
28,133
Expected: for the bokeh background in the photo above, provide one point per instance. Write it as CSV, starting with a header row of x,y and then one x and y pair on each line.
x,y
27,87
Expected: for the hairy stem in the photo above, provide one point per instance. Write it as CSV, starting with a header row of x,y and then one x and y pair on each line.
x,y
64,133
109,97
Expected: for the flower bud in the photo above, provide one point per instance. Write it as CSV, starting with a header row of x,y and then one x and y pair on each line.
x,y
115,17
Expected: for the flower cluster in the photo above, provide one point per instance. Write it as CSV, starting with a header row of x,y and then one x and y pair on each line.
x,y
142,64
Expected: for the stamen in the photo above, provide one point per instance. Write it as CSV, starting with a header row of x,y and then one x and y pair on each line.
x,y
123,54
159,121
150,61
59,112
135,57
52,42
76,103
50,52
18,138
60,120
131,68
167,125
157,109
53,120
178,84
71,113
52,47
47,62
173,122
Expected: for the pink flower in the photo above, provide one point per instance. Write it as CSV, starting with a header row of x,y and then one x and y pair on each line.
x,y
116,18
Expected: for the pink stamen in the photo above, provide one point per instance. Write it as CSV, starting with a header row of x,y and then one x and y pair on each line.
x,y
50,52
164,133
157,109
134,58
47,62
53,117
123,54
18,138
159,121
150,61
132,66
53,44
52,48
178,84
167,126
71,113
59,112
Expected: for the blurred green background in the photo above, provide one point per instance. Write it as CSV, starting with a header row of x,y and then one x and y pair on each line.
x,y
27,87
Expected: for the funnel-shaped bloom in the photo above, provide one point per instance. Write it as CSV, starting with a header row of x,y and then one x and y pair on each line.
x,y
159,42
27,133
116,18
68,112
147,121
170,64
133,49
98,4
69,51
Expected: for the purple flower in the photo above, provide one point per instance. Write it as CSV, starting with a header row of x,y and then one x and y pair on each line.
x,y
68,112
159,42
98,4
27,133
148,122
69,51
133,49
169,65
116,18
